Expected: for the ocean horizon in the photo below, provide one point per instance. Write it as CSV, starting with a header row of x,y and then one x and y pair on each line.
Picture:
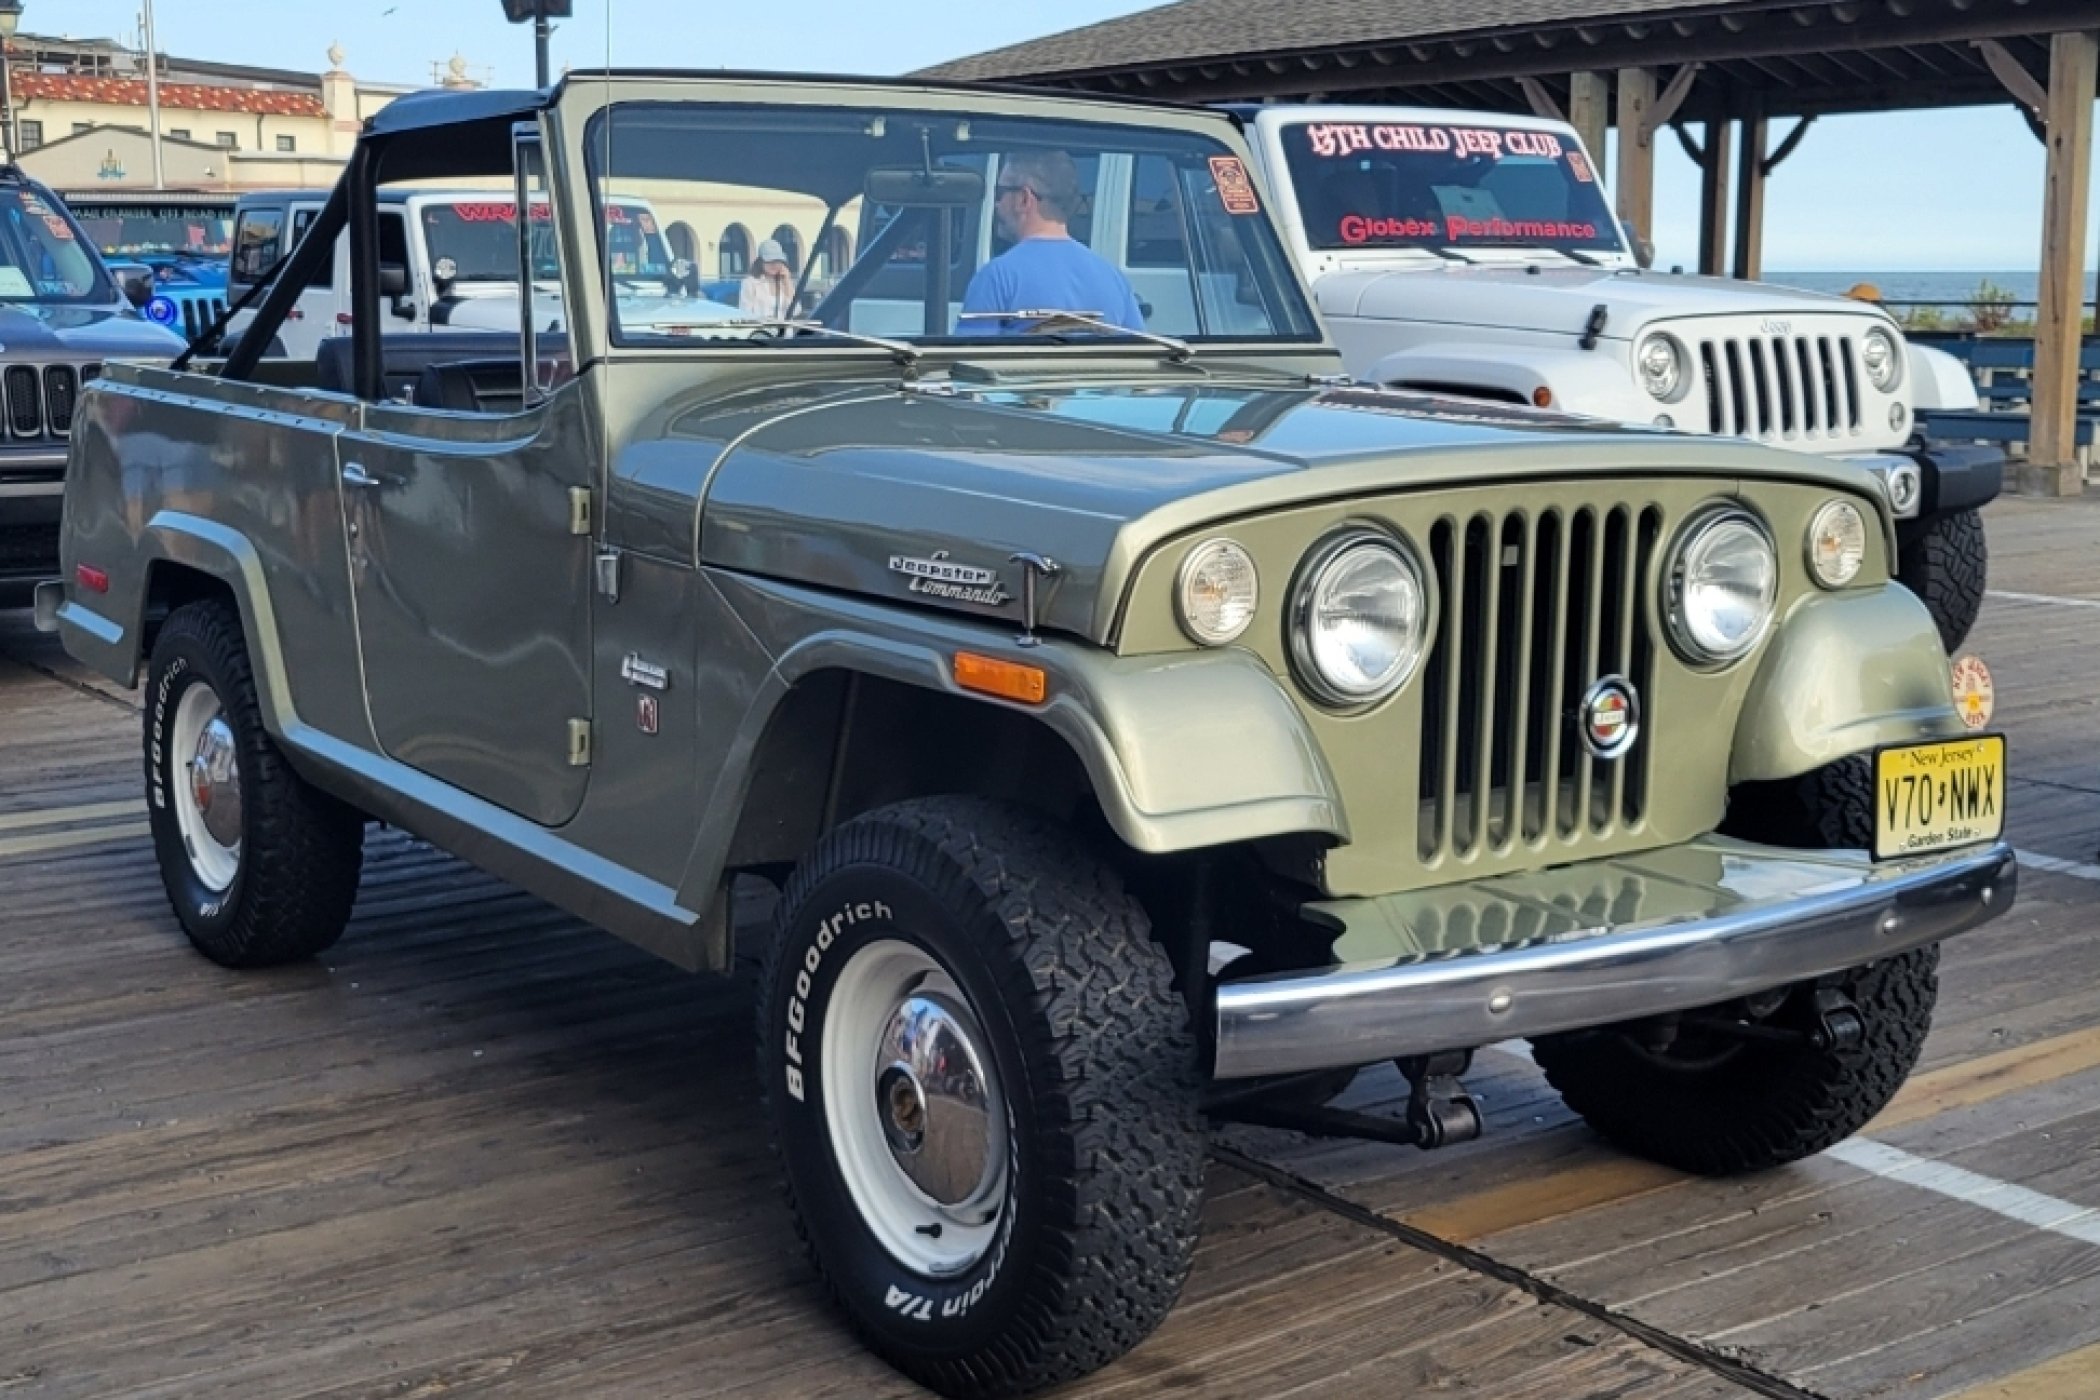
x,y
1952,286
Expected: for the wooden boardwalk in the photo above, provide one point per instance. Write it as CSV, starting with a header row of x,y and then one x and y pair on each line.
x,y
480,1149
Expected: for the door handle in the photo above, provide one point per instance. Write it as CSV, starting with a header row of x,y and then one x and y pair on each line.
x,y
354,474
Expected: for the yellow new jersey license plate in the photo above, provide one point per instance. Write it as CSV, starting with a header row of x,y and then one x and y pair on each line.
x,y
1932,797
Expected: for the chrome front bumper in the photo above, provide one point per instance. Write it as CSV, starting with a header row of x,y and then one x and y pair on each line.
x,y
1593,944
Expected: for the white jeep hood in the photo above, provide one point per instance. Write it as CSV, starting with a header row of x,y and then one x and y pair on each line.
x,y
1559,299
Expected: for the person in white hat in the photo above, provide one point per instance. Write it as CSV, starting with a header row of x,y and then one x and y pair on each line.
x,y
769,287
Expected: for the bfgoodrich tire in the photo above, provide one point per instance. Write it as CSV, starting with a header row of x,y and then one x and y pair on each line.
x,y
1945,561
261,867
1719,1102
983,1088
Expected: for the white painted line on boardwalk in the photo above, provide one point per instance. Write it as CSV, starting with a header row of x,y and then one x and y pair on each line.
x,y
66,840
2058,1217
62,816
2059,867
2042,598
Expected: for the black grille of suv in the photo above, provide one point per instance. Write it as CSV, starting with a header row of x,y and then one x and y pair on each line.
x,y
41,399
1536,607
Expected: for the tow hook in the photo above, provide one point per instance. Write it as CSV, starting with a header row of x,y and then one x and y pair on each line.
x,y
1838,1024
1439,1110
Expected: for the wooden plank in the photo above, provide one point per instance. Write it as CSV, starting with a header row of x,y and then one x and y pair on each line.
x,y
2074,68
1634,184
1589,111
1750,201
1713,199
2075,1375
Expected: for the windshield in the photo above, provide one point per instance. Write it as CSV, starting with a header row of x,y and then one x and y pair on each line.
x,y
480,237
1435,185
165,230
939,227
42,255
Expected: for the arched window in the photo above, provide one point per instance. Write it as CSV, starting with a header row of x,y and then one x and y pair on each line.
x,y
733,255
835,254
790,243
684,242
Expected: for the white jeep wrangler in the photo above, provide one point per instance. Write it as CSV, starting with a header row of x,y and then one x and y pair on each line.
x,y
1477,254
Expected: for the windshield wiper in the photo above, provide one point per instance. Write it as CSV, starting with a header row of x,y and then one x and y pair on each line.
x,y
1177,350
1447,254
1579,256
906,353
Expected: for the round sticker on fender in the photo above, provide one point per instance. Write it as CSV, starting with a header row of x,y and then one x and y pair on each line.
x,y
1973,697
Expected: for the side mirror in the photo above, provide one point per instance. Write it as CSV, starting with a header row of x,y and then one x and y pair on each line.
x,y
135,280
404,307
393,280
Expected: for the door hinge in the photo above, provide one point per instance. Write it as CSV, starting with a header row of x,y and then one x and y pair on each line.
x,y
609,575
579,743
579,510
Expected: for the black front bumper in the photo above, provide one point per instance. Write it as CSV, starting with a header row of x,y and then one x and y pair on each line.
x,y
1957,476
29,515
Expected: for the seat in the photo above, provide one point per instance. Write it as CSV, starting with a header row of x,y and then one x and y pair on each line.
x,y
472,386
404,358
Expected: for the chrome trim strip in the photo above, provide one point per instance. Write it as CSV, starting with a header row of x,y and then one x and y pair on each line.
x,y
17,490
1293,1022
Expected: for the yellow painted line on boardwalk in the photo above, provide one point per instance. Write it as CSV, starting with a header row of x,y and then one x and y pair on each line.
x,y
65,816
1991,1076
1543,1198
2073,1376
1618,1179
46,841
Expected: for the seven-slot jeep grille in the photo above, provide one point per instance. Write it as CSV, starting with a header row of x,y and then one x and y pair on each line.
x,y
1536,607
1777,388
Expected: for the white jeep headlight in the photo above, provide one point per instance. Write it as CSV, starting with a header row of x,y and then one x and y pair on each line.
x,y
1883,359
1722,583
1659,360
1359,619
1837,543
1217,592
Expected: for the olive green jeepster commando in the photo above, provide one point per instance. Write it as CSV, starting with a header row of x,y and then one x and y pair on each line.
x,y
1141,721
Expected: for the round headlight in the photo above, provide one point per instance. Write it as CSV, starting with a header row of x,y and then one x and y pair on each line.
x,y
1217,592
1661,365
1837,543
1359,621
1723,581
1883,359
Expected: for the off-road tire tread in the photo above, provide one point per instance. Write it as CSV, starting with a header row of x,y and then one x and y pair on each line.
x,y
1120,1063
1764,1108
302,850
1945,561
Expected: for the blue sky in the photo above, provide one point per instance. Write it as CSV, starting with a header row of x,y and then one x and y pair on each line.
x,y
1957,189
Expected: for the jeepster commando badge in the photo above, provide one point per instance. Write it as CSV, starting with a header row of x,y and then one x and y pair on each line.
x,y
937,577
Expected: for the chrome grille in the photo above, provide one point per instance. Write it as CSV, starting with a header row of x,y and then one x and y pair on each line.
x,y
1535,608
1779,388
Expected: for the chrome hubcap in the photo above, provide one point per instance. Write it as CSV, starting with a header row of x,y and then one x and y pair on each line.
x,y
206,789
931,1097
914,1109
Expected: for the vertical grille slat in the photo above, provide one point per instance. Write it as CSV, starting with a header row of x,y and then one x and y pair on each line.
x,y
61,392
1760,390
25,400
1536,606
1812,401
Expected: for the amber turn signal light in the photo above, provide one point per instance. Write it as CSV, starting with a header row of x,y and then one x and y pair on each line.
x,y
1009,680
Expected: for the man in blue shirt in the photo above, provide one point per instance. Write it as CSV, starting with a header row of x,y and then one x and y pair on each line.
x,y
1047,269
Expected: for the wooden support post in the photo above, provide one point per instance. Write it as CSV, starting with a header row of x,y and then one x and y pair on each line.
x,y
1589,111
2074,68
1713,200
1634,186
1750,202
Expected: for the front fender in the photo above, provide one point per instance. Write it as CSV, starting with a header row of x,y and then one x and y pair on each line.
x,y
1183,751
1846,673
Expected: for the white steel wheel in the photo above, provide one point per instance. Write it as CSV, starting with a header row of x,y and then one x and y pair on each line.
x,y
205,789
917,1121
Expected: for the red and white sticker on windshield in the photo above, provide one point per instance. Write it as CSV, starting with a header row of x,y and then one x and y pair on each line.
x,y
1579,167
1235,189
